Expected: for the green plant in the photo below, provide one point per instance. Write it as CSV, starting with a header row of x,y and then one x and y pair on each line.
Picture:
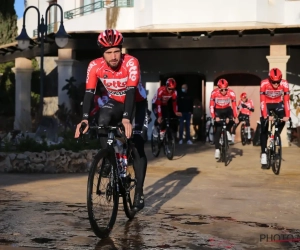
x,y
75,93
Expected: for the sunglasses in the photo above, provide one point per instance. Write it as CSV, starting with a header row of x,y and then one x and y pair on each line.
x,y
170,89
223,89
277,82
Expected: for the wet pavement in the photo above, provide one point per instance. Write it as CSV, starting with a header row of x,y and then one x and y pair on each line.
x,y
192,202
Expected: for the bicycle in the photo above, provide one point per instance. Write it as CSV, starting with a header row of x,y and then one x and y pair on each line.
x,y
274,150
224,143
244,134
104,169
167,141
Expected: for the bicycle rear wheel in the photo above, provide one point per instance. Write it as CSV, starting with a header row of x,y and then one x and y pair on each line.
x,y
128,189
169,144
277,154
243,137
102,194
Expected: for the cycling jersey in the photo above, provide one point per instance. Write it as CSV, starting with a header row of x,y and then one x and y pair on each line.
x,y
162,97
248,110
220,101
116,81
268,95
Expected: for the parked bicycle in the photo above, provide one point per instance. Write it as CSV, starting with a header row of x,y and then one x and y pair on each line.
x,y
107,183
274,148
224,143
167,141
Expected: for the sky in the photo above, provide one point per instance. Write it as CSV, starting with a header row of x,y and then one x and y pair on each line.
x,y
19,7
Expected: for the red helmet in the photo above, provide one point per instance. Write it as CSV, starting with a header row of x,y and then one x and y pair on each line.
x,y
243,95
222,83
171,83
275,75
110,38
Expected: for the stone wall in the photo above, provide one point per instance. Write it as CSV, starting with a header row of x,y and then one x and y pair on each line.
x,y
57,161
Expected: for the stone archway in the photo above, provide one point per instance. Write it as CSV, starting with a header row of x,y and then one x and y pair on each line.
x,y
249,83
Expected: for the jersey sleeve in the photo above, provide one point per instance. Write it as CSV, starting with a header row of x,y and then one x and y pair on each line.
x,y
233,103
174,99
212,105
158,102
91,77
263,105
133,68
239,105
286,98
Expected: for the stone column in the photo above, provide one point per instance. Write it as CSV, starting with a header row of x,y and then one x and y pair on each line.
x,y
279,59
23,70
65,70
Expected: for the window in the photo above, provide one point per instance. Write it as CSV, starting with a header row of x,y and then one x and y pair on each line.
x,y
52,19
87,6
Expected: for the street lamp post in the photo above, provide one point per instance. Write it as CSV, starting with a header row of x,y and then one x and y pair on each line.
x,y
61,40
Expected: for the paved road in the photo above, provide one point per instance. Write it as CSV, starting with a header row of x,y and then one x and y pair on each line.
x,y
192,202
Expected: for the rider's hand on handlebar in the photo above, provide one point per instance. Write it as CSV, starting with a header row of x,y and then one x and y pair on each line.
x,y
236,120
128,127
285,119
178,114
78,127
159,119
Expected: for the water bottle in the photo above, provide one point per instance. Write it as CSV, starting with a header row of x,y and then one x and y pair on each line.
x,y
221,140
121,158
271,141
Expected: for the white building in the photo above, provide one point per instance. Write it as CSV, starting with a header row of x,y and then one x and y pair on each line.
x,y
196,41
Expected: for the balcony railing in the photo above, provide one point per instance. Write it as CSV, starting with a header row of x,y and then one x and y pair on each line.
x,y
91,8
52,27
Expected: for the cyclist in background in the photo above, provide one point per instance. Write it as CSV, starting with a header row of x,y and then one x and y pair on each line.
x,y
246,107
160,106
275,96
220,101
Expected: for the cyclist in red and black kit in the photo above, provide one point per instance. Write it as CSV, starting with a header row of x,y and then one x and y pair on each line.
x,y
161,100
120,75
220,100
275,96
246,107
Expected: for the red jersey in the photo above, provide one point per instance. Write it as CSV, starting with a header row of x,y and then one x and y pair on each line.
x,y
219,101
245,111
162,97
268,94
116,80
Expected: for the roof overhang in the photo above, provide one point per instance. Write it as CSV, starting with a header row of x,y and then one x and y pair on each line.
x,y
167,39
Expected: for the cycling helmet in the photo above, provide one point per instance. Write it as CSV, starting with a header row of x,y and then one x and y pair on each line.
x,y
171,83
275,75
110,38
222,84
243,95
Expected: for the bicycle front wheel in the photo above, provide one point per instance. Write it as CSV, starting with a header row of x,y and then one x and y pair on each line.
x,y
243,137
225,148
102,194
277,154
169,144
155,145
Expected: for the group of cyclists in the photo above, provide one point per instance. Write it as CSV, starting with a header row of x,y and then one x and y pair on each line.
x,y
125,101
274,97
